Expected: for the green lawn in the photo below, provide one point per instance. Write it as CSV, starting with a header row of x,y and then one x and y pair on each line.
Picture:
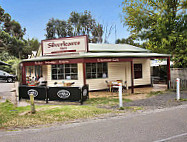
x,y
15,117
110,101
12,117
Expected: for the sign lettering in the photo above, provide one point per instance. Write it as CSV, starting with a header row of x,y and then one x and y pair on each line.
x,y
64,45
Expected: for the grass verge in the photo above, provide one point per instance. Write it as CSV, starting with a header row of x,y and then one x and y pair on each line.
x,y
12,117
152,93
103,101
183,100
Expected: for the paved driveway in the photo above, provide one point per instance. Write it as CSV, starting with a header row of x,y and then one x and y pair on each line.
x,y
5,89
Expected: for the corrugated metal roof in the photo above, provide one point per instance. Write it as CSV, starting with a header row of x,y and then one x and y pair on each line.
x,y
95,55
93,47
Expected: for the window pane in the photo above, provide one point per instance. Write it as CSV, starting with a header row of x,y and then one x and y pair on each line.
x,y
105,68
93,67
67,65
99,75
74,70
88,67
88,75
99,67
61,70
74,65
61,66
54,71
74,76
137,71
60,76
67,70
104,75
93,75
54,77
67,76
54,66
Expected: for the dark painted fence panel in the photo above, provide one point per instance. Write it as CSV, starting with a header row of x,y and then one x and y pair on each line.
x,y
64,93
39,92
78,94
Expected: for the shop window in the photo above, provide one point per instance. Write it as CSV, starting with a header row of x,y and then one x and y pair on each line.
x,y
30,70
96,70
137,71
38,71
64,72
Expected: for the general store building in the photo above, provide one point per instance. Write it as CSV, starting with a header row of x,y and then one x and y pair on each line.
x,y
73,59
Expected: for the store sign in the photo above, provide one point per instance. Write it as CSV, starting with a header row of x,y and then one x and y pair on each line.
x,y
108,60
64,45
33,92
63,94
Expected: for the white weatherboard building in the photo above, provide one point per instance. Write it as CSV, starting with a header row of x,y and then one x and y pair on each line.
x,y
75,60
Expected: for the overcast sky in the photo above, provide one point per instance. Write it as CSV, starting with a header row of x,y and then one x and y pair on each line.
x,y
34,14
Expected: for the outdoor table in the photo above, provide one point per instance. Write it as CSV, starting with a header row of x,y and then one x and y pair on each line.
x,y
114,84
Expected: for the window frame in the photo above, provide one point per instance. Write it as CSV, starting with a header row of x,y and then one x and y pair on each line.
x,y
95,70
140,73
63,68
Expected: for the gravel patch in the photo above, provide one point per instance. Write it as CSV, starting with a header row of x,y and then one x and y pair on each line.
x,y
167,99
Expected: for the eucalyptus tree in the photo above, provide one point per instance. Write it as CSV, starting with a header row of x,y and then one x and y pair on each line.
x,y
61,28
128,40
162,23
97,33
74,21
50,29
77,24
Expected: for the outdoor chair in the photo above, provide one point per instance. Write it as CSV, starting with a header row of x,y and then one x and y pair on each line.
x,y
108,85
115,85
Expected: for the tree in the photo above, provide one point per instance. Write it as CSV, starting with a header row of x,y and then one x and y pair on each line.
x,y
128,40
77,24
74,21
162,23
11,36
11,60
30,45
50,29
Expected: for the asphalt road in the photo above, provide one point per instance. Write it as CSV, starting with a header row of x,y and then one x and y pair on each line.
x,y
169,124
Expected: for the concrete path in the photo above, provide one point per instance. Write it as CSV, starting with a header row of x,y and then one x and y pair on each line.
x,y
169,124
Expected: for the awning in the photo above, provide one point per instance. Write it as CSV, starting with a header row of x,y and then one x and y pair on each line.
x,y
97,55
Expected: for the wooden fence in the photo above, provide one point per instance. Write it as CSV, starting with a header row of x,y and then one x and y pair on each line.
x,y
179,73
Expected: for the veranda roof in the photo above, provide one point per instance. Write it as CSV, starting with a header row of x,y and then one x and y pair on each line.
x,y
95,55
105,50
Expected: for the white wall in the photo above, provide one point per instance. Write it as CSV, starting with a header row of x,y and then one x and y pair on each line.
x,y
116,71
122,71
146,72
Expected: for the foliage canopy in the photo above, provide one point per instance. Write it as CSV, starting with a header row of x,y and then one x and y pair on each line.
x,y
77,24
161,23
